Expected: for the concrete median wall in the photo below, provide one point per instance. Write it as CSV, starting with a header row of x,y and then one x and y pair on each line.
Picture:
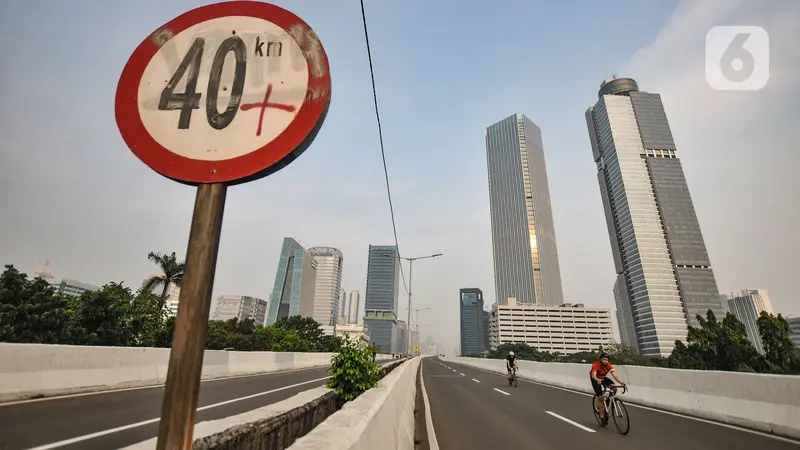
x,y
38,370
381,418
769,403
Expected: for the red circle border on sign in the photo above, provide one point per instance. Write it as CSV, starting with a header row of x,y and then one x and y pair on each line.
x,y
268,159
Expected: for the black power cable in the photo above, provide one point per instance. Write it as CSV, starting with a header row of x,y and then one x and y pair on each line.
x,y
380,137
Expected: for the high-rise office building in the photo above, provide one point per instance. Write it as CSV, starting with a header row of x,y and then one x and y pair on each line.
x,y
328,286
295,281
380,299
240,307
343,317
486,330
664,273
472,326
523,235
172,299
746,305
794,330
353,305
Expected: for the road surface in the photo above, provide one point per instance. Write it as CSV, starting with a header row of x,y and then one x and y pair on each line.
x,y
476,410
115,419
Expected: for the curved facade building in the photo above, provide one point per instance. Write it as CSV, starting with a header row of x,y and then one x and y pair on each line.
x,y
664,275
328,284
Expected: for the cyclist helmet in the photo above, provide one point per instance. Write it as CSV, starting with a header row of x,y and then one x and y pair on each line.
x,y
511,353
603,355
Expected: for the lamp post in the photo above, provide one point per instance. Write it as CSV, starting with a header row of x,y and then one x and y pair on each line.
x,y
410,270
416,321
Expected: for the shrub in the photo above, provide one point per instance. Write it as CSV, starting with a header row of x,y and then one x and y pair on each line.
x,y
353,372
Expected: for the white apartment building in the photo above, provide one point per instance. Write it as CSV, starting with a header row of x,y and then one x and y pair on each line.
x,y
747,305
564,329
352,332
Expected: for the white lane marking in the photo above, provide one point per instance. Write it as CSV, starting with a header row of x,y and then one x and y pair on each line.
x,y
502,392
670,413
475,380
570,422
463,375
433,443
147,422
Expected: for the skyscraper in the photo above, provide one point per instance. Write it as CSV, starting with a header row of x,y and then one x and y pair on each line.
x,y
380,302
328,284
343,311
353,304
240,307
523,235
293,292
664,273
747,305
472,321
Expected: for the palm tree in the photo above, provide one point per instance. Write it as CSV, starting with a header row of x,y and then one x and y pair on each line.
x,y
173,273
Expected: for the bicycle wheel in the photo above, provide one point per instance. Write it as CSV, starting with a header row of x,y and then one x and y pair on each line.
x,y
596,412
515,380
620,414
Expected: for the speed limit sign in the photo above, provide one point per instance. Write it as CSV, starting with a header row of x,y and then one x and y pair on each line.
x,y
225,93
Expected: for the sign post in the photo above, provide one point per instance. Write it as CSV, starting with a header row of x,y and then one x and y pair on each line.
x,y
221,95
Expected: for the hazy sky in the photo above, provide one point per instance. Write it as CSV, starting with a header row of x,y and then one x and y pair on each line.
x,y
72,192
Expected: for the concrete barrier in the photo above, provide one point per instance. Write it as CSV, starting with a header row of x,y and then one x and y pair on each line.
x,y
381,418
273,426
764,402
38,370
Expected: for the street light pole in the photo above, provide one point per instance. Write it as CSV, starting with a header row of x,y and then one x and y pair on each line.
x,y
410,271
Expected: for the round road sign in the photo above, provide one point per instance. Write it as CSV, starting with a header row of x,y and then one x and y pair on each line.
x,y
229,92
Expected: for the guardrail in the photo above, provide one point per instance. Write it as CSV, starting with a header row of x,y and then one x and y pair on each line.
x,y
39,370
764,402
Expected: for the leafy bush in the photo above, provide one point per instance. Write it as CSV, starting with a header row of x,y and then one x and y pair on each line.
x,y
353,372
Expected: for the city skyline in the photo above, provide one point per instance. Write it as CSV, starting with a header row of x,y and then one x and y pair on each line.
x,y
664,274
735,147
524,247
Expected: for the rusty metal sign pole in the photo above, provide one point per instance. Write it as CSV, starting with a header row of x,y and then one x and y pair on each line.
x,y
176,428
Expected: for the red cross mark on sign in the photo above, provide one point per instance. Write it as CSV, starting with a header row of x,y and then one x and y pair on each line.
x,y
264,105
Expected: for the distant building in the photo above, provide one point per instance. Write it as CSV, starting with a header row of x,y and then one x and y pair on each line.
x,y
295,281
353,305
486,345
563,329
74,288
381,297
747,305
173,293
328,286
351,332
240,307
794,330
472,331
67,286
343,312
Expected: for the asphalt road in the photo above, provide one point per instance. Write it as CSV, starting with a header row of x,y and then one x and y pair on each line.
x,y
474,409
115,419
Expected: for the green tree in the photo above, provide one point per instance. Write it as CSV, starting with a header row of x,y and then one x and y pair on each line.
x,y
101,317
172,273
778,347
717,345
306,328
353,372
290,341
146,319
31,311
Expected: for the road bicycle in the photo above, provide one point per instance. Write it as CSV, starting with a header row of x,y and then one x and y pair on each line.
x,y
613,407
513,380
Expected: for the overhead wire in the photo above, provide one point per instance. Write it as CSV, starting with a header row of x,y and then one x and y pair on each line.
x,y
383,151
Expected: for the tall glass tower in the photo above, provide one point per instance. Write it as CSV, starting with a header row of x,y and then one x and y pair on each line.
x,y
295,280
523,235
664,276
381,298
